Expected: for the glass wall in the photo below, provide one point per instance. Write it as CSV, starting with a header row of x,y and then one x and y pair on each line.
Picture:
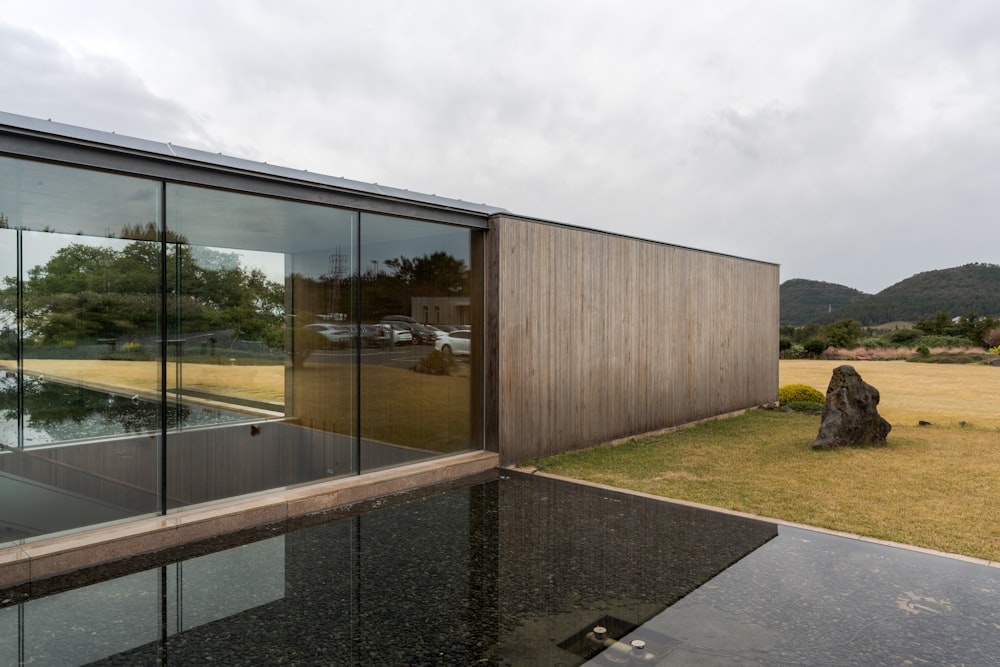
x,y
81,419
260,296
406,264
164,345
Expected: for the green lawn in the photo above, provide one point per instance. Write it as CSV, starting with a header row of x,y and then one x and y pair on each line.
x,y
936,487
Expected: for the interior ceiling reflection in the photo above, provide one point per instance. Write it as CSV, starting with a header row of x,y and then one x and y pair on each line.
x,y
44,197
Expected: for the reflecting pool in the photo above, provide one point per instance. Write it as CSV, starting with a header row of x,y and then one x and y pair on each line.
x,y
514,569
58,412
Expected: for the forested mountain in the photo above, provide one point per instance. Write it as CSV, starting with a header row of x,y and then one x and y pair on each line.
x,y
805,301
972,288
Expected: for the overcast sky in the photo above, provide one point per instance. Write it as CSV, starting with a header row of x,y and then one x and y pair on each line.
x,y
850,141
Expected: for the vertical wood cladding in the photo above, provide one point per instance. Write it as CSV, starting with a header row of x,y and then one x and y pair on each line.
x,y
600,336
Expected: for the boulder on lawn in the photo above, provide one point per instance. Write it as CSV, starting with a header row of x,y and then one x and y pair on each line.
x,y
850,415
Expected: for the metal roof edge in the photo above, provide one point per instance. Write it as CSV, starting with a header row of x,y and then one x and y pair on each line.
x,y
62,131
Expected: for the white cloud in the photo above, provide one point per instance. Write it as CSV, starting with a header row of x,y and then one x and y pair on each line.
x,y
42,78
853,142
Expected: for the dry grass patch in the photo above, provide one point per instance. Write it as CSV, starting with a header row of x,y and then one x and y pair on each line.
x,y
397,405
266,383
941,394
935,487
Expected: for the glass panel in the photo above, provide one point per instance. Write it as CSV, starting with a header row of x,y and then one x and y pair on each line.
x,y
416,391
8,292
209,588
80,414
9,636
260,298
80,626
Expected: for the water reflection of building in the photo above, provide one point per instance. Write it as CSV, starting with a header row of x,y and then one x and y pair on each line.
x,y
503,586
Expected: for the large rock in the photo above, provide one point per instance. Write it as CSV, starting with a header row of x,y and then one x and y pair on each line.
x,y
850,416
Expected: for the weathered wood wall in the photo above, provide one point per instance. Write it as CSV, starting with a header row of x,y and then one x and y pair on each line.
x,y
600,336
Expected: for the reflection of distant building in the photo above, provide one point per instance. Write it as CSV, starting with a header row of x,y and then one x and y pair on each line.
x,y
442,309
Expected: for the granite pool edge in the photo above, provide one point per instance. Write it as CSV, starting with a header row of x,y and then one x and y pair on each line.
x,y
50,557
791,524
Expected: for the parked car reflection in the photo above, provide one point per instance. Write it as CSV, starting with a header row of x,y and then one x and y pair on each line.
x,y
423,334
455,342
336,334
397,333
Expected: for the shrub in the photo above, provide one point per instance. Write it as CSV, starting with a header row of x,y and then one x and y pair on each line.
x,y
844,333
806,406
306,341
873,342
923,350
904,336
435,363
797,393
815,347
951,357
796,351
953,342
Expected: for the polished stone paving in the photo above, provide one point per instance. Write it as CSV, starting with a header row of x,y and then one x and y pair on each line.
x,y
810,598
514,569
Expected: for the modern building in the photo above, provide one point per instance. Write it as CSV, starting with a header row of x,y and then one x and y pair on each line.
x,y
191,343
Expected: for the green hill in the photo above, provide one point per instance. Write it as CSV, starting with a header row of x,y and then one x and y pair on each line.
x,y
805,301
972,288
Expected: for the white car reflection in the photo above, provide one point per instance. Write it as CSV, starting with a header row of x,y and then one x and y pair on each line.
x,y
396,332
455,342
336,334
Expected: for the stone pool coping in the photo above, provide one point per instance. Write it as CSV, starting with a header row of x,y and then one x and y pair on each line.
x,y
50,557
59,555
780,522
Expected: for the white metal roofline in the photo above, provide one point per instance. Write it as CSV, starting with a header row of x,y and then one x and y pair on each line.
x,y
173,151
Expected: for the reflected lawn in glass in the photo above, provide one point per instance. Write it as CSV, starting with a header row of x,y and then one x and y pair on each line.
x,y
225,378
518,570
405,263
429,412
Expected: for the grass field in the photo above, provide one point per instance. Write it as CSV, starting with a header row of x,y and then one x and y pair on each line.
x,y
942,394
936,487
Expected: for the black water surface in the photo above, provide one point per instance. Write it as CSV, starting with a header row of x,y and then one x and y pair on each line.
x,y
517,571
